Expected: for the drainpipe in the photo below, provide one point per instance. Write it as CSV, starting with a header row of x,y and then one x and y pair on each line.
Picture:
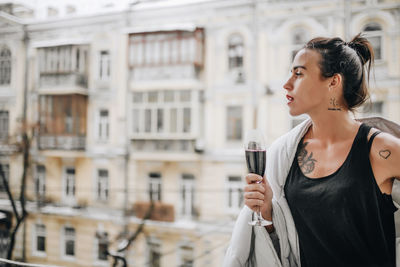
x,y
24,117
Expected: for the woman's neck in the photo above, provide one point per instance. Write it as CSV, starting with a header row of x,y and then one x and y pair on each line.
x,y
332,126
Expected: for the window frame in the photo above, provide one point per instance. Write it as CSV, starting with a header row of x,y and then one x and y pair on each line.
x,y
103,125
64,241
234,193
187,195
377,33
5,66
36,235
104,63
238,119
4,125
68,198
155,186
236,51
102,194
40,181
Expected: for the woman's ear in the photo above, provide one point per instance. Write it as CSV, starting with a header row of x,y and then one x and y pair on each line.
x,y
336,81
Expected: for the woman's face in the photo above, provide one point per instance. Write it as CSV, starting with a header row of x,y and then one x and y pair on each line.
x,y
306,88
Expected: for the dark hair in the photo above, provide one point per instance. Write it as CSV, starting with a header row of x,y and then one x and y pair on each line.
x,y
347,59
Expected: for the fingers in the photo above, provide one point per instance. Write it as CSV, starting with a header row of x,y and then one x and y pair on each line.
x,y
252,178
254,195
254,204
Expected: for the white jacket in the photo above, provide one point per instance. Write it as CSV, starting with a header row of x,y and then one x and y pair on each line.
x,y
279,159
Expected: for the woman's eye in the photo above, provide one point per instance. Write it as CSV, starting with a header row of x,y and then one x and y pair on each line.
x,y
297,73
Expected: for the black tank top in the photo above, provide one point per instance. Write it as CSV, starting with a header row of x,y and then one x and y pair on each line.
x,y
343,219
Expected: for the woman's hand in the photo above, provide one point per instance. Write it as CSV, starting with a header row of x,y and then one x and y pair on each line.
x,y
258,193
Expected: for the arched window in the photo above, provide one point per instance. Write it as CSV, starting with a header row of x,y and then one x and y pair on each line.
x,y
5,66
299,39
373,32
235,51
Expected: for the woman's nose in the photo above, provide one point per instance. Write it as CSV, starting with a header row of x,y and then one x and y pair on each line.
x,y
287,85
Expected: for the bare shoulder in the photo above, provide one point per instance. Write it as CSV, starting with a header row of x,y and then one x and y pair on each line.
x,y
385,153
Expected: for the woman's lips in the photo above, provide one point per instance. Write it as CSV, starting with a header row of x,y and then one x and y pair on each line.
x,y
289,98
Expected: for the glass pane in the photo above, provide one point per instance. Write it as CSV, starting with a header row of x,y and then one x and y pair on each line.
x,y
173,120
169,96
147,120
70,248
137,97
160,120
186,120
184,96
153,96
234,123
135,121
41,243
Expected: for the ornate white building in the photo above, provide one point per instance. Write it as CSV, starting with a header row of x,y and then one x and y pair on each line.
x,y
150,101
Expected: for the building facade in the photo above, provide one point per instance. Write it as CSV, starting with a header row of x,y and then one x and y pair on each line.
x,y
149,104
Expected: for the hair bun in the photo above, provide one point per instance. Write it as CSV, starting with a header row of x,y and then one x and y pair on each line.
x,y
363,48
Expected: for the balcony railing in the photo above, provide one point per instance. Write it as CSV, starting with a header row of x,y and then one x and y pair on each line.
x,y
60,142
165,72
63,79
164,145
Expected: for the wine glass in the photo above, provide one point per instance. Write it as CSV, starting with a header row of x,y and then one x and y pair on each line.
x,y
255,151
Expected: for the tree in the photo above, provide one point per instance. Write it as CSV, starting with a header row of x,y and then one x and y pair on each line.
x,y
22,146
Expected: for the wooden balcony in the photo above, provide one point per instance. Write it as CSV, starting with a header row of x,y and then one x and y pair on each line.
x,y
160,212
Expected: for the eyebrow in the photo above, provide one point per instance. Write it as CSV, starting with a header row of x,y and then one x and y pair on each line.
x,y
298,67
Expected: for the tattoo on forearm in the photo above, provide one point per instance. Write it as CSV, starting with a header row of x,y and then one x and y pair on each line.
x,y
306,162
385,153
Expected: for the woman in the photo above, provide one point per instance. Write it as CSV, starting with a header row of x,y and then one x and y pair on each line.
x,y
330,179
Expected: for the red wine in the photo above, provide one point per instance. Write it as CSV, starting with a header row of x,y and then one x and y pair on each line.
x,y
256,161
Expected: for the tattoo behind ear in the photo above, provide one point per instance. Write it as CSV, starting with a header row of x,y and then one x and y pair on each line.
x,y
385,153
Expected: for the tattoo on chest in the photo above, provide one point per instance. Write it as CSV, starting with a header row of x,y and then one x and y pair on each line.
x,y
385,153
305,159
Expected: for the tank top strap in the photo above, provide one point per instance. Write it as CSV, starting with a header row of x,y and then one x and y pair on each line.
x,y
371,139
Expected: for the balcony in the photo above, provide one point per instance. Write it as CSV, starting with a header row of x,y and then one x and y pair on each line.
x,y
58,142
160,212
63,79
166,55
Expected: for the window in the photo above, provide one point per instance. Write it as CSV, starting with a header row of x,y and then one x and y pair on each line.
x,y
235,51
165,48
102,184
234,123
40,238
164,112
102,245
6,172
187,194
104,65
155,186
299,39
154,255
63,59
235,193
69,185
4,121
374,34
40,181
104,126
186,256
5,66
69,241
